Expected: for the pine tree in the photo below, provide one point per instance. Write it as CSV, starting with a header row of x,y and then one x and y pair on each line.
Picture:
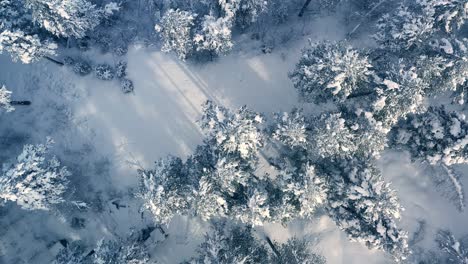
x,y
231,244
35,182
400,93
297,251
250,10
5,99
235,134
165,190
238,244
364,206
25,48
73,253
104,72
126,85
215,36
176,29
409,26
65,18
331,71
290,129
299,193
450,15
345,134
439,138
122,251
436,136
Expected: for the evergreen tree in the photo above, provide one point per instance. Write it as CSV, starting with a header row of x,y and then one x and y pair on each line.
x,y
364,206
409,26
126,85
400,93
250,10
165,190
215,36
35,182
122,251
176,29
237,244
439,138
297,251
73,253
436,136
291,129
231,244
331,71
25,48
299,193
65,18
450,15
345,134
104,72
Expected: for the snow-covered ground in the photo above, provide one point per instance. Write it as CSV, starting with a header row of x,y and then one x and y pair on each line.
x,y
113,134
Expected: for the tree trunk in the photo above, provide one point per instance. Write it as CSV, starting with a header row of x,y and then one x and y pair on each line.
x,y
20,102
304,7
268,240
53,60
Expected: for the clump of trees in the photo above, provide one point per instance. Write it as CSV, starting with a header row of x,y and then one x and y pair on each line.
x,y
28,28
255,170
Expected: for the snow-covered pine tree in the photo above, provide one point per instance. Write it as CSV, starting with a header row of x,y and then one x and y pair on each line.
x,y
65,18
290,129
400,93
332,137
121,69
215,37
166,190
82,68
12,14
238,244
449,15
36,181
73,253
409,26
126,85
439,138
234,140
249,10
25,48
454,250
5,99
298,251
231,244
104,72
121,251
344,134
177,29
363,205
441,74
298,192
331,71
235,134
436,136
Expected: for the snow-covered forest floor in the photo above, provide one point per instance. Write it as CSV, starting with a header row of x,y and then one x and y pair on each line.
x,y
104,136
